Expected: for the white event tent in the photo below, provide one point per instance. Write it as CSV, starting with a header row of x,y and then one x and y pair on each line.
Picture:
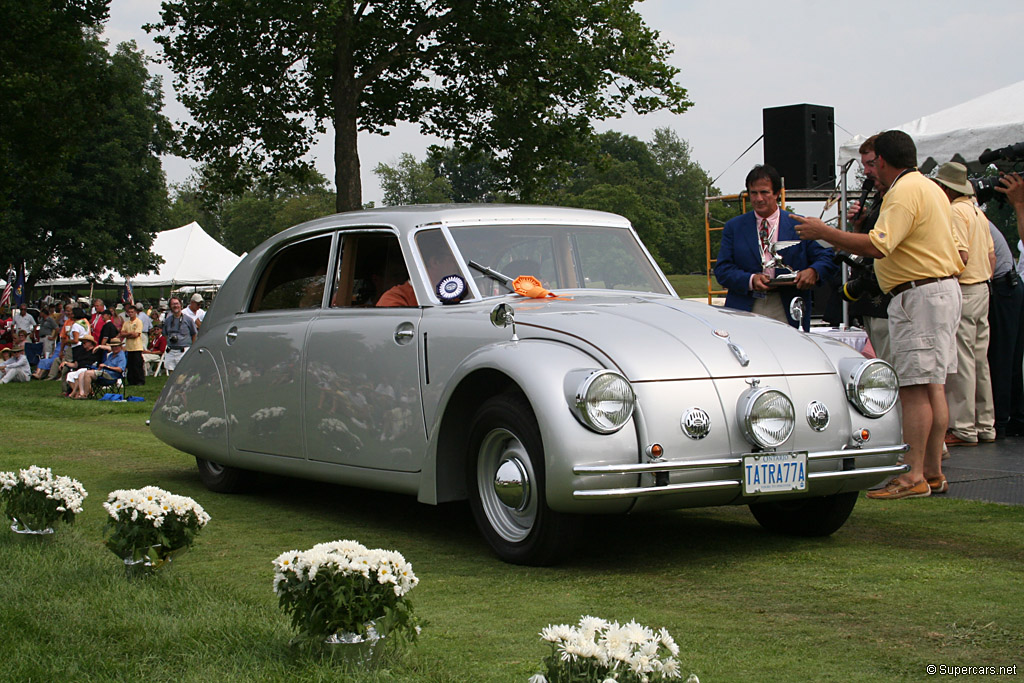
x,y
962,132
191,258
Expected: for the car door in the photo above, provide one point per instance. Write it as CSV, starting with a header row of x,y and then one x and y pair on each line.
x,y
362,369
265,348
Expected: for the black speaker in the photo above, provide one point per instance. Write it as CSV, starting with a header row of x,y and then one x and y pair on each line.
x,y
800,142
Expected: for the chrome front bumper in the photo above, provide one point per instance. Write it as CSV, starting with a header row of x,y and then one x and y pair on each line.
x,y
732,461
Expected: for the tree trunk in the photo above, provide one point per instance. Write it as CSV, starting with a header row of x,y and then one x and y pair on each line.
x,y
345,98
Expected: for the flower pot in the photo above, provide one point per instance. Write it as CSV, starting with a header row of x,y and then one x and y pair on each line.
x,y
355,649
155,558
27,531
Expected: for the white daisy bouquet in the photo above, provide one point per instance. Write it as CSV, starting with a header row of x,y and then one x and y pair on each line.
x,y
342,587
601,651
151,524
36,499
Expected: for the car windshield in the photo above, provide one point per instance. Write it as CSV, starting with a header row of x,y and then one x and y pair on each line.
x,y
561,257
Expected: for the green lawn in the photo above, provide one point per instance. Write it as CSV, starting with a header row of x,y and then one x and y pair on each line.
x,y
903,585
687,286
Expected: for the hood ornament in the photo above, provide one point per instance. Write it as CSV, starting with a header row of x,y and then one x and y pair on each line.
x,y
740,354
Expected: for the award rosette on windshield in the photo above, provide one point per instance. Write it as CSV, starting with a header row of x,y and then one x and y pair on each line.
x,y
451,289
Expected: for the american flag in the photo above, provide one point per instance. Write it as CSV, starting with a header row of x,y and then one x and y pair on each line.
x,y
129,295
5,299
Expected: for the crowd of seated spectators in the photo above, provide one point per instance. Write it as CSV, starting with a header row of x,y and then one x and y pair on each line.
x,y
83,344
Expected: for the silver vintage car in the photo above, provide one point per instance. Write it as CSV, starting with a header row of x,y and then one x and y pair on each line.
x,y
533,360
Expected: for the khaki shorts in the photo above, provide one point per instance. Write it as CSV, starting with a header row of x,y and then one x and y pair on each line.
x,y
922,332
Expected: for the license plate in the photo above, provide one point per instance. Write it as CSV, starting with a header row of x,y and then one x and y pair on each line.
x,y
774,472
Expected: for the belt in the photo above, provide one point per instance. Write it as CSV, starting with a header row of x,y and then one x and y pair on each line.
x,y
902,287
176,348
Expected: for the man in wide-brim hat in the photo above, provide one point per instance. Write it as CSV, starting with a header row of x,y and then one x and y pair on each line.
x,y
972,416
16,368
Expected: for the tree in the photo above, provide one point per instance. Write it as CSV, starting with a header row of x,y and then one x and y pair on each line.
x,y
268,206
80,175
656,185
412,182
523,80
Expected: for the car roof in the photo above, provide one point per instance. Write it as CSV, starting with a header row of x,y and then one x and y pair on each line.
x,y
408,218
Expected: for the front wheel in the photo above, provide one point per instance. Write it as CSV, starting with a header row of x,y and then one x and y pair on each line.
x,y
806,517
223,479
507,484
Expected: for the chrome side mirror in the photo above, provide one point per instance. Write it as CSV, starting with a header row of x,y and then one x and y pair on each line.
x,y
504,315
797,311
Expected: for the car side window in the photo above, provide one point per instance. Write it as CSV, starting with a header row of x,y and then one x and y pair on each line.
x,y
295,277
369,264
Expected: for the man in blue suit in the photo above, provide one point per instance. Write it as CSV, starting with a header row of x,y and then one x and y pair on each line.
x,y
746,245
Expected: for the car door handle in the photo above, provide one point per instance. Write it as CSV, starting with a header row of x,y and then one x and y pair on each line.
x,y
231,335
404,333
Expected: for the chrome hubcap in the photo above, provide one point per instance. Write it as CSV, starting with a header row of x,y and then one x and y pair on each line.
x,y
512,485
505,480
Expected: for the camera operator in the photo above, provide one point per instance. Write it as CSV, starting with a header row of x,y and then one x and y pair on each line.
x,y
917,261
1012,185
969,390
867,301
180,331
1006,307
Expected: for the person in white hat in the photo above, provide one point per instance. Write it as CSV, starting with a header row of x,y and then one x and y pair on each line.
x,y
194,311
972,416
15,369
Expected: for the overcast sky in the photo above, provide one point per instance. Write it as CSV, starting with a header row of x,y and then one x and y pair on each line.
x,y
878,63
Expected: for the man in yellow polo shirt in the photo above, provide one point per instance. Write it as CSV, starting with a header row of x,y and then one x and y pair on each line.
x,y
916,260
972,416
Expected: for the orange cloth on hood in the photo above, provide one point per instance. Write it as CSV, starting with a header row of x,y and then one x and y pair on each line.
x,y
529,286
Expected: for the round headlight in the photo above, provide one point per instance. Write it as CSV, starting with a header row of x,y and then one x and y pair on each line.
x,y
604,401
768,417
873,388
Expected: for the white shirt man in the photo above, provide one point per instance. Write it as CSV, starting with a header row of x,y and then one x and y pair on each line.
x,y
23,320
194,311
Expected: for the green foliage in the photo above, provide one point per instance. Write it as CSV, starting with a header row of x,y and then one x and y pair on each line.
x,y
412,182
521,80
656,185
263,209
81,186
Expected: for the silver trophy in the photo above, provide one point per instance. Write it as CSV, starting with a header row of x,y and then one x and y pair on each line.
x,y
775,261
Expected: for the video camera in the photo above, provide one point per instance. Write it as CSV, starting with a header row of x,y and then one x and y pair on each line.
x,y
862,278
985,186
1009,153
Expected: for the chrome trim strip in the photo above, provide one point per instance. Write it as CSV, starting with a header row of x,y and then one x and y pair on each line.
x,y
889,469
635,492
641,468
647,491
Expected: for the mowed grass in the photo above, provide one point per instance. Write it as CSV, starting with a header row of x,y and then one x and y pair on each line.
x,y
688,286
903,585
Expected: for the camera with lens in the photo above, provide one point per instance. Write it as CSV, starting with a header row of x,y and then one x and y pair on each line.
x,y
985,189
173,339
1008,153
862,280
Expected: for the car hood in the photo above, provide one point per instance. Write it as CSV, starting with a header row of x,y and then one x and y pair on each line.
x,y
655,338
